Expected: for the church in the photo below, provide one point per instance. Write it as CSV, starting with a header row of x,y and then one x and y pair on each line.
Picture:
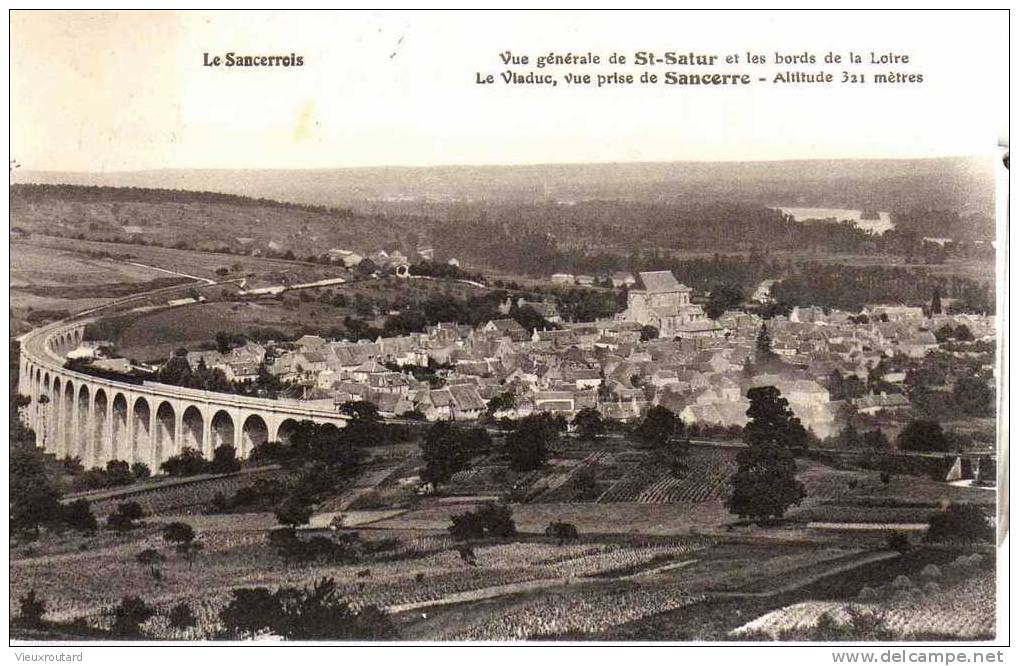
x,y
659,300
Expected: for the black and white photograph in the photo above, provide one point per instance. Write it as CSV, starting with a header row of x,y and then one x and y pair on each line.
x,y
508,328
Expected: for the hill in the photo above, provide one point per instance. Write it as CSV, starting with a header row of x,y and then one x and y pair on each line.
x,y
200,220
962,184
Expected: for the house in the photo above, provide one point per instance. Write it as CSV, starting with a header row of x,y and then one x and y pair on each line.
x,y
659,300
211,359
241,371
112,365
562,278
918,344
623,279
872,404
763,292
450,403
583,378
348,258
548,311
509,328
392,404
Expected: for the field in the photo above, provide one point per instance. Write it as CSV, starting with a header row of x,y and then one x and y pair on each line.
x,y
155,335
258,270
943,601
649,570
168,221
48,283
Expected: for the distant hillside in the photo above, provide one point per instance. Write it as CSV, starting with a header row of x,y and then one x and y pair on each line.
x,y
202,220
528,219
960,184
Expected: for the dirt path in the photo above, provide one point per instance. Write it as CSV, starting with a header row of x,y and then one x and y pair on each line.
x,y
496,591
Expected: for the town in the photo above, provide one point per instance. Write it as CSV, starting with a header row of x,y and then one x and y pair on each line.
x,y
662,349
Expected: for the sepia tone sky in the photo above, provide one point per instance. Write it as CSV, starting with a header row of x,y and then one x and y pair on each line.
x,y
125,91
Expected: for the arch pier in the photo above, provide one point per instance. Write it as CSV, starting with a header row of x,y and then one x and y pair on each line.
x,y
98,419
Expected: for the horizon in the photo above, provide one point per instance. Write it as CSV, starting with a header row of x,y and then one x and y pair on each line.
x,y
971,157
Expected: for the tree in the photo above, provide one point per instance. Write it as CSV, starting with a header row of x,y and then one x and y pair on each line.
x,y
315,613
446,450
31,609
960,522
78,516
34,498
151,558
589,423
936,302
963,334
490,520
178,533
973,396
764,485
129,615
118,473
922,435
648,333
529,444
562,532
250,611
762,346
189,462
723,297
318,613
772,422
362,410
123,518
176,371
659,426
224,460
501,402
140,470
293,512
876,440
181,617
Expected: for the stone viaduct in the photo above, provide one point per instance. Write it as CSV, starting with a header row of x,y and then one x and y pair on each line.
x,y
99,419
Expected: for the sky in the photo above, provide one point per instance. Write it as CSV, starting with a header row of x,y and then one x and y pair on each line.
x,y
108,91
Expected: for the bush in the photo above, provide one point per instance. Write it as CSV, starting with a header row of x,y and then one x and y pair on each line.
x,y
250,612
129,615
224,460
178,533
562,532
31,609
181,617
960,522
899,542
141,471
867,594
189,462
315,613
491,520
293,512
78,516
123,518
902,582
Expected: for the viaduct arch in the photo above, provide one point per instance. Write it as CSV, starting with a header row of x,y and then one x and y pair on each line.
x,y
100,419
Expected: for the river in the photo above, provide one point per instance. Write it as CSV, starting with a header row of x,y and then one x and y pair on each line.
x,y
878,226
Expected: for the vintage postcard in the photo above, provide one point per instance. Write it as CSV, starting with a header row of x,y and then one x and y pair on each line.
x,y
500,328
